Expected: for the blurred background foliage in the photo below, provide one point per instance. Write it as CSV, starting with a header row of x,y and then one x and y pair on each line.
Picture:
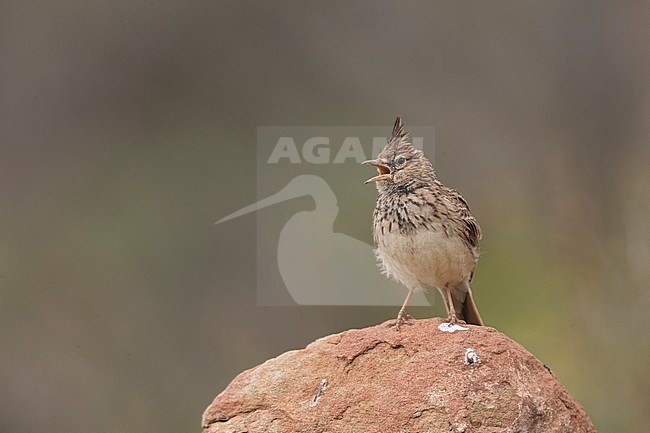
x,y
127,128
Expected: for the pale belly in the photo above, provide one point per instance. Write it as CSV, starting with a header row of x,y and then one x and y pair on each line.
x,y
425,258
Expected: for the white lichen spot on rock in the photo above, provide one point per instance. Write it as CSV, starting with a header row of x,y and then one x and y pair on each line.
x,y
471,358
318,393
451,327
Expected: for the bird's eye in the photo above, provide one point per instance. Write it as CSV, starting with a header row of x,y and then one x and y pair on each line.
x,y
400,160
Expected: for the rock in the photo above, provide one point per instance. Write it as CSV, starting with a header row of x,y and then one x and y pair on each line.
x,y
420,379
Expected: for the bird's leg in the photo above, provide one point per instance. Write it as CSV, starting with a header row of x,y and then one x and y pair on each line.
x,y
402,317
451,311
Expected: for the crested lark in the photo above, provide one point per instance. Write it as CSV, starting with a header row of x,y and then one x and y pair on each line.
x,y
424,232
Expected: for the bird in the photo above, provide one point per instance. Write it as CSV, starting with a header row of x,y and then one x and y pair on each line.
x,y
424,233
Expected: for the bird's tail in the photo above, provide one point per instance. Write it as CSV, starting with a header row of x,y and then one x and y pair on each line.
x,y
467,310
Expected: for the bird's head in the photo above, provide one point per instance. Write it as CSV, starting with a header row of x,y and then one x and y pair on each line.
x,y
399,164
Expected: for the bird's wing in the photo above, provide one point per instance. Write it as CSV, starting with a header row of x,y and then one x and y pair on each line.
x,y
470,229
447,204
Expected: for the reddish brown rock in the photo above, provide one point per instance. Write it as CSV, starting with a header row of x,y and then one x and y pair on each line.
x,y
417,380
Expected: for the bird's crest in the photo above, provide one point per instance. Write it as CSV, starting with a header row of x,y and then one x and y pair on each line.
x,y
398,128
399,137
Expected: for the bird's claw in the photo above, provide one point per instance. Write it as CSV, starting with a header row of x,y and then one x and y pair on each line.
x,y
453,320
402,318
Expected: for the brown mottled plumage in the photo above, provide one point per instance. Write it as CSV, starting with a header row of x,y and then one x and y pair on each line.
x,y
424,232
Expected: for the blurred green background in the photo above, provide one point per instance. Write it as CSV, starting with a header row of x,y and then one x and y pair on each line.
x,y
127,128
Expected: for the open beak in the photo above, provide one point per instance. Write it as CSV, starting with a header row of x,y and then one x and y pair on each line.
x,y
382,169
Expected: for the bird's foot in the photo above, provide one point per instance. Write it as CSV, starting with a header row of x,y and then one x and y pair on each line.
x,y
453,320
402,319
